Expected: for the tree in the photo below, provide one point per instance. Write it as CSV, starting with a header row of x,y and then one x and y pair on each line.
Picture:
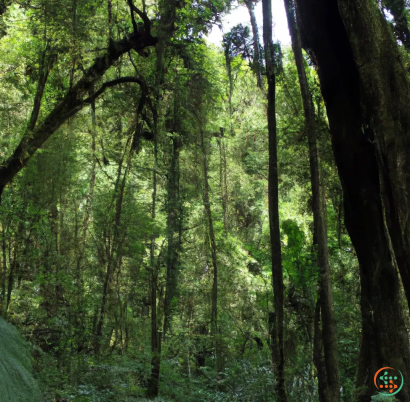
x,y
257,59
358,170
74,99
329,335
139,237
277,273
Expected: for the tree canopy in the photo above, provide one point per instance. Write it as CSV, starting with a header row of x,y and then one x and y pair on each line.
x,y
186,222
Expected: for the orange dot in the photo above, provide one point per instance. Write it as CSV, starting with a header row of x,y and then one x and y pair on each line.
x,y
381,386
391,386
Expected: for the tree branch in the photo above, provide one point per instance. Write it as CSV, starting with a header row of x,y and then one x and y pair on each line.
x,y
33,139
110,84
46,64
144,17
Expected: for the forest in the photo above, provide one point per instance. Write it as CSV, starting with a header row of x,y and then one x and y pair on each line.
x,y
182,221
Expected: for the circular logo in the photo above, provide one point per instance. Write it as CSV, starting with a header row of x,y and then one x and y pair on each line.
x,y
388,381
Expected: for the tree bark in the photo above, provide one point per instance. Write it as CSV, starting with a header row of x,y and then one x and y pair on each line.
x,y
208,214
317,356
168,12
153,385
175,215
231,85
257,57
11,279
46,64
329,335
174,229
4,269
382,344
165,30
114,252
273,205
384,105
223,179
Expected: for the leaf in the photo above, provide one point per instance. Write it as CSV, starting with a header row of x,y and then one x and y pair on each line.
x,y
17,383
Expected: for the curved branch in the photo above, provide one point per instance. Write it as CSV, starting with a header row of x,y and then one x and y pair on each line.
x,y
33,139
110,84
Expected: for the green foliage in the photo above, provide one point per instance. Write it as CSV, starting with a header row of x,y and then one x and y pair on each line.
x,y
77,221
17,383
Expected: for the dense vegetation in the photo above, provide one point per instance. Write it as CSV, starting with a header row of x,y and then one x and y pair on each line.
x,y
183,222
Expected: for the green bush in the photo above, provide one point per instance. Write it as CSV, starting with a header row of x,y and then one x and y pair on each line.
x,y
17,383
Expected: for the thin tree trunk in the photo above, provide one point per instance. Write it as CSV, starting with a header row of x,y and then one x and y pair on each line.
x,y
329,335
273,205
11,278
228,64
153,385
46,64
208,214
317,356
114,251
257,57
4,270
174,229
339,222
165,29
223,179
109,12
174,218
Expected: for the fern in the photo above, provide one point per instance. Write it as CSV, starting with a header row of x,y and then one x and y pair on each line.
x,y
17,383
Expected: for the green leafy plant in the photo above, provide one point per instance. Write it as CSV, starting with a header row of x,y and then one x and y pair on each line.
x,y
16,380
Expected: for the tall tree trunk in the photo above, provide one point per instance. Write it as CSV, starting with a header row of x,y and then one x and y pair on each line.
x,y
329,336
208,214
81,240
273,205
165,29
174,229
109,13
382,344
223,179
317,356
4,269
385,99
114,252
13,264
153,385
228,63
174,218
257,57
